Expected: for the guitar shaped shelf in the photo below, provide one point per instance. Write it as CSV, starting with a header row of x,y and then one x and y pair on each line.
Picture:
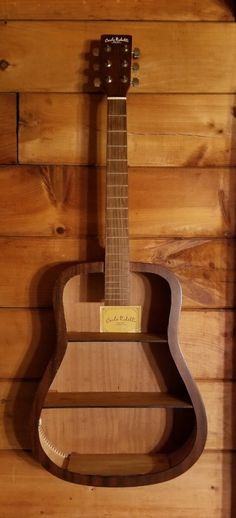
x,y
117,405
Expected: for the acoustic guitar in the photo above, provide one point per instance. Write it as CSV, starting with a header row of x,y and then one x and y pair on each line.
x,y
117,405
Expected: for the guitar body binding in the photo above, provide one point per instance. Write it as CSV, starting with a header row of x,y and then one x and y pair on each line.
x,y
170,400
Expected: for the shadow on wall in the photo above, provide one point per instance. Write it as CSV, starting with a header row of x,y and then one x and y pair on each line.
x,y
232,6
229,402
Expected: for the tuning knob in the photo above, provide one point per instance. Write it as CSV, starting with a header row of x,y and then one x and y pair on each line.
x,y
135,81
136,53
95,51
97,82
108,63
135,67
108,79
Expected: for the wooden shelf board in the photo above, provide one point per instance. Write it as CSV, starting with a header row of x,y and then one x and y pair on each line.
x,y
75,336
114,400
114,464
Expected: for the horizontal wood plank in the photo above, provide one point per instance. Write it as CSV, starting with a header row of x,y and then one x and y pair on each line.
x,y
114,400
117,464
30,266
8,151
28,338
172,130
117,10
49,201
16,403
210,478
190,57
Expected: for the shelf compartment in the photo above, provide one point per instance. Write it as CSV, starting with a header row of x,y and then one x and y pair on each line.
x,y
114,464
114,400
75,336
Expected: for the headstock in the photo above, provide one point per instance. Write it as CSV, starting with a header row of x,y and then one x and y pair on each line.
x,y
114,64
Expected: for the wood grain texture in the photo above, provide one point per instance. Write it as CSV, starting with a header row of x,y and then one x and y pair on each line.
x,y
205,267
16,404
8,151
171,130
24,480
34,51
49,200
27,341
117,10
28,338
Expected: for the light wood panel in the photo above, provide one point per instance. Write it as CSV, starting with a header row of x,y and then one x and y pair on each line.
x,y
47,200
8,151
119,10
27,341
163,130
210,479
52,56
207,339
16,402
28,338
30,266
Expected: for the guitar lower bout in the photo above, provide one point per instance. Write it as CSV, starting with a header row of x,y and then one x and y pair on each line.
x,y
117,408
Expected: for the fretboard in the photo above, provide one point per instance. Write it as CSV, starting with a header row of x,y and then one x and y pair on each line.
x,y
117,239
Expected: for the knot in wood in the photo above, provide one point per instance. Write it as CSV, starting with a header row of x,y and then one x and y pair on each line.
x,y
4,64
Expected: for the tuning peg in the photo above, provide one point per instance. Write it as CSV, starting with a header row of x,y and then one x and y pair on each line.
x,y
135,81
95,51
136,53
97,82
108,79
135,67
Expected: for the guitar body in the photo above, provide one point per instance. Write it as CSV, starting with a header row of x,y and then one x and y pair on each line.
x,y
117,410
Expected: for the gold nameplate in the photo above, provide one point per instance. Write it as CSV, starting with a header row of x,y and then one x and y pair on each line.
x,y
120,319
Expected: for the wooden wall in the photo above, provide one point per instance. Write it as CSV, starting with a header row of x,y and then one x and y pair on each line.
x,y
182,157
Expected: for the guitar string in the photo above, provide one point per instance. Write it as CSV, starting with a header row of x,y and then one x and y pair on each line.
x,y
117,267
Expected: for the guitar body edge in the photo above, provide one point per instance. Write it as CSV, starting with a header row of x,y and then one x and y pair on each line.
x,y
174,461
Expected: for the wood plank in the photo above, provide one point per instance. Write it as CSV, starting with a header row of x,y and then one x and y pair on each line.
x,y
117,464
28,337
69,201
113,400
205,50
8,151
210,479
16,403
29,267
208,335
173,130
27,341
115,337
119,10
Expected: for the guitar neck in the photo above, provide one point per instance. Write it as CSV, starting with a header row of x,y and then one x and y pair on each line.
x,y
117,237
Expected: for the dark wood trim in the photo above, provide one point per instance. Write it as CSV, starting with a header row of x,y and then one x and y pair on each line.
x,y
176,462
